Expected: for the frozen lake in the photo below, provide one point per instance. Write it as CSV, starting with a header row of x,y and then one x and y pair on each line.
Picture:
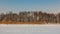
x,y
29,29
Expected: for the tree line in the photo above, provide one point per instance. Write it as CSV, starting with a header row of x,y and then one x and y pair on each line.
x,y
37,16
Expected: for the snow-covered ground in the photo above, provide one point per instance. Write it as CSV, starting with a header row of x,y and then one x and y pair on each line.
x,y
30,29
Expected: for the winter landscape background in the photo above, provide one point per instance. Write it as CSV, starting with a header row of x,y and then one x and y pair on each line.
x,y
34,12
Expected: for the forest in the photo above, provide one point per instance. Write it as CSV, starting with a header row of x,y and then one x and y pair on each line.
x,y
33,17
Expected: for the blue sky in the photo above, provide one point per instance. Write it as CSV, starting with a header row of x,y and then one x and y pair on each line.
x,y
51,6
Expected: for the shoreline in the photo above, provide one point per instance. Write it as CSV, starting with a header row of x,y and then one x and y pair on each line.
x,y
27,25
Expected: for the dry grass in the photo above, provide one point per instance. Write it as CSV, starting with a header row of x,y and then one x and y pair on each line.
x,y
21,23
